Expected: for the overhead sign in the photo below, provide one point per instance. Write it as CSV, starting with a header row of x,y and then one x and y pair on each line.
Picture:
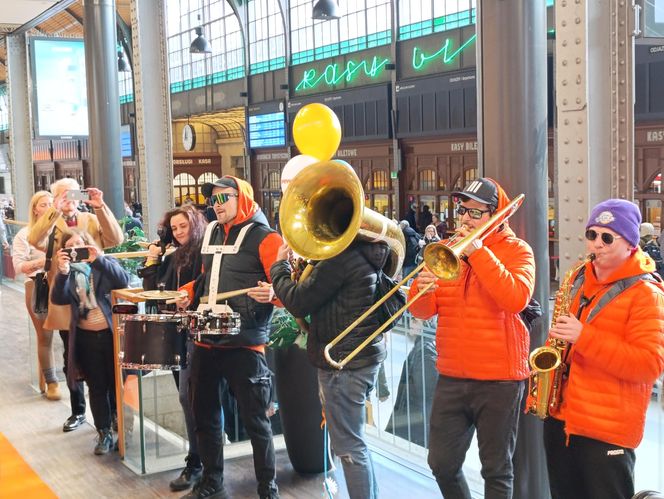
x,y
333,74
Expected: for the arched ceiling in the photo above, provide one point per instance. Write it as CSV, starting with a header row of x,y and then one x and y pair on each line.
x,y
228,124
67,22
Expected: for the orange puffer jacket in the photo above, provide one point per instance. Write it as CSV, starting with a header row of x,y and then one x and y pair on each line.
x,y
480,334
617,358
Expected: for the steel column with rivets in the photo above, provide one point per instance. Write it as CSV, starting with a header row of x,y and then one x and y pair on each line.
x,y
622,101
512,148
20,129
594,84
153,110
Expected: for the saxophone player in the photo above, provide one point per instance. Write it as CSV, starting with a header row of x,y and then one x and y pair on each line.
x,y
614,333
482,347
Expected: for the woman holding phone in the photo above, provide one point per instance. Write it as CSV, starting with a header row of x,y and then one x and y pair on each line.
x,y
85,285
30,261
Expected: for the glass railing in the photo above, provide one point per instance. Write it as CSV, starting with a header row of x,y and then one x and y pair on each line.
x,y
400,407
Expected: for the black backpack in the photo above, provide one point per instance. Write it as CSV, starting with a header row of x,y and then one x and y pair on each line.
x,y
391,306
652,248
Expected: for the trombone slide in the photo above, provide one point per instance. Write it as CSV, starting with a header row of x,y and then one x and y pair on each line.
x,y
442,260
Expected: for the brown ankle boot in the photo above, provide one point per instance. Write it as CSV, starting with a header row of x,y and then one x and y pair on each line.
x,y
53,391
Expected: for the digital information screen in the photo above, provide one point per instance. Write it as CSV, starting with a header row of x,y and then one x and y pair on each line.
x,y
58,76
125,142
267,130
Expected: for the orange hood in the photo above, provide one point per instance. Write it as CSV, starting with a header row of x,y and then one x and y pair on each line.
x,y
246,206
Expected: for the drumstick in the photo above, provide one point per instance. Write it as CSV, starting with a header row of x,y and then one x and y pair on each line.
x,y
228,294
136,254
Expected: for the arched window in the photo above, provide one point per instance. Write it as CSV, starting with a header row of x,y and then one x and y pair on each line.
x,y
656,184
426,180
184,188
221,28
364,24
469,175
274,180
267,50
380,180
423,17
207,177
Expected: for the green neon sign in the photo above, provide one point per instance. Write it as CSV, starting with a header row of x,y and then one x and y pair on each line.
x,y
420,59
334,74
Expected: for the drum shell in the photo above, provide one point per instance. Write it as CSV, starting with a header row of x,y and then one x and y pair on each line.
x,y
154,342
214,324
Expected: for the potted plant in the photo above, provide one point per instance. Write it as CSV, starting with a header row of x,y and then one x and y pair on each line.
x,y
300,409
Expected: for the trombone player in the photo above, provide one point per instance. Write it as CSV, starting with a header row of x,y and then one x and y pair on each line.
x,y
482,347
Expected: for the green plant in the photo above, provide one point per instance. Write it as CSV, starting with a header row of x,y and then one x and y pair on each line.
x,y
285,330
131,243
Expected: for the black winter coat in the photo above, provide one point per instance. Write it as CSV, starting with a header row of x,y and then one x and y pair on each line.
x,y
336,293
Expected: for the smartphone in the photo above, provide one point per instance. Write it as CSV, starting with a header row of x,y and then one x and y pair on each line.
x,y
82,195
78,254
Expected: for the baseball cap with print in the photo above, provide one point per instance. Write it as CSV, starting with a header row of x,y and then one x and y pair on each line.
x,y
482,190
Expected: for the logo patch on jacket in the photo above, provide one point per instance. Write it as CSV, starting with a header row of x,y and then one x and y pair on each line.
x,y
615,452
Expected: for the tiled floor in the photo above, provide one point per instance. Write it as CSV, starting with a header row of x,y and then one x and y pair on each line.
x,y
66,463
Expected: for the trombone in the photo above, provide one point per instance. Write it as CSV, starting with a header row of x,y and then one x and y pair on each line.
x,y
443,260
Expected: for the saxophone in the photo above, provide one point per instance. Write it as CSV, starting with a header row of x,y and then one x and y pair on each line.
x,y
546,362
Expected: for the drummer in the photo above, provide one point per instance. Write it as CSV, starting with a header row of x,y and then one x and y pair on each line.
x,y
182,228
238,250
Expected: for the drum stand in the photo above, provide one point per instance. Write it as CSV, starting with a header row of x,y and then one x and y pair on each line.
x,y
157,447
118,295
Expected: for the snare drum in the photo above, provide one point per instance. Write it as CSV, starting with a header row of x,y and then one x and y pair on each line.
x,y
209,323
154,342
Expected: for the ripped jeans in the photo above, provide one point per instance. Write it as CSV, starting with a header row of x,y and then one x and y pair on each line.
x,y
343,395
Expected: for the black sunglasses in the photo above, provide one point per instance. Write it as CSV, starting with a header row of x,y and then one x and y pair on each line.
x,y
607,238
473,212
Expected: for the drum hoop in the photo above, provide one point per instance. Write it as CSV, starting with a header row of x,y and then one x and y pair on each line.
x,y
159,318
150,367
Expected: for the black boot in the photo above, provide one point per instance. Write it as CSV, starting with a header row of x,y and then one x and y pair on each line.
x,y
104,441
190,475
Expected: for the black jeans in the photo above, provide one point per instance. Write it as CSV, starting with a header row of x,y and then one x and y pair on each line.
x,y
459,407
247,375
586,468
94,354
77,395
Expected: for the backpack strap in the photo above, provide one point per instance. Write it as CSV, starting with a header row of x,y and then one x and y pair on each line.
x,y
616,289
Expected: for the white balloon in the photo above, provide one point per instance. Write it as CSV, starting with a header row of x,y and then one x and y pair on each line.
x,y
294,166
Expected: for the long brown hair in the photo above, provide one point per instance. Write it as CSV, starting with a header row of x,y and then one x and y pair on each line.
x,y
197,224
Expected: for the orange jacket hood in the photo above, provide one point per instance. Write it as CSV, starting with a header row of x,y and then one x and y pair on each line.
x,y
246,206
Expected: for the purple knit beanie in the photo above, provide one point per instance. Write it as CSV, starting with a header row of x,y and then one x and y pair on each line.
x,y
619,215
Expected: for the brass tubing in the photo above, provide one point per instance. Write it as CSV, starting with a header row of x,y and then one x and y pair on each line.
x,y
448,271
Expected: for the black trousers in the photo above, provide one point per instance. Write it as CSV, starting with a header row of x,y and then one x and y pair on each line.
x,y
246,373
461,406
94,354
586,468
76,396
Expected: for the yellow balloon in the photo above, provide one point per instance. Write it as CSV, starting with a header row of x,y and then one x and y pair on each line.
x,y
317,131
